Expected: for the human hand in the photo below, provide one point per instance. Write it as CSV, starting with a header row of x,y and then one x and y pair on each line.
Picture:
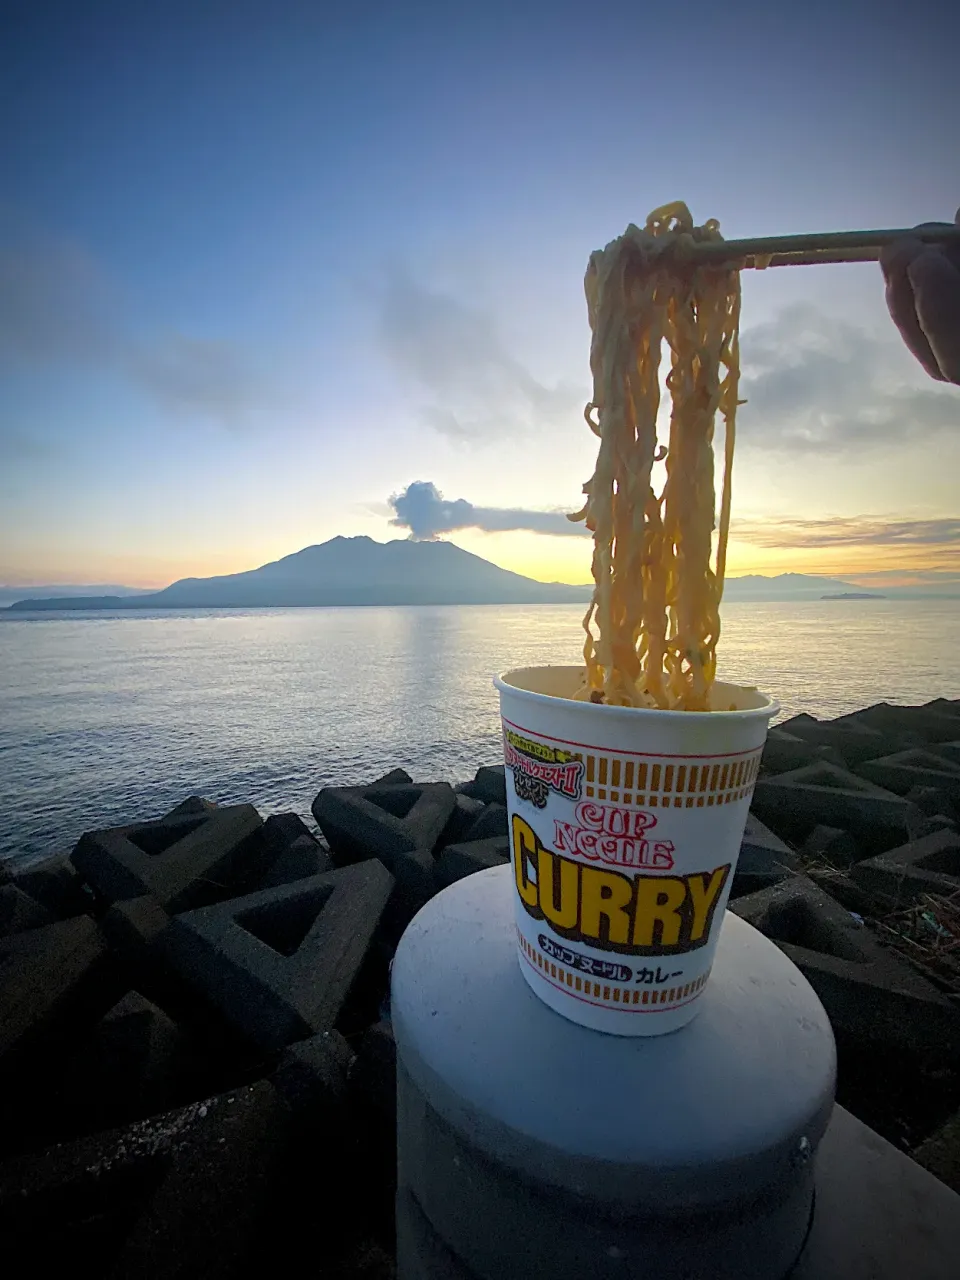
x,y
923,298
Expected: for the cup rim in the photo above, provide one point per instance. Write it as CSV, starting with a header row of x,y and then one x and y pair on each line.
x,y
770,708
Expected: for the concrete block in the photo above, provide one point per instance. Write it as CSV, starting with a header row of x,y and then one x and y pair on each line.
x,y
940,1153
947,706
490,824
488,785
135,1063
395,778
937,822
465,813
841,888
949,751
830,844
796,801
928,865
193,806
134,924
51,979
934,803
71,1205
866,990
764,854
385,822
784,750
184,863
279,964
937,721
415,876
19,912
373,1096
459,860
212,1203
280,830
906,770
313,1077
853,740
305,857
54,883
764,860
366,1260
264,859
373,1078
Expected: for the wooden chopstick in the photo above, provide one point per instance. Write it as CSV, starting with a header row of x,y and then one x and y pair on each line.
x,y
828,246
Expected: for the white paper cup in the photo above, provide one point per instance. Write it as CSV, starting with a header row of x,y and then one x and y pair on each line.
x,y
625,828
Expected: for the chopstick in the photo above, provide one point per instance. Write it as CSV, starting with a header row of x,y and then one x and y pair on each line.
x,y
800,250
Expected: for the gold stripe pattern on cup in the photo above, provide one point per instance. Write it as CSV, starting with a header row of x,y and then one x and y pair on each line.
x,y
630,999
677,784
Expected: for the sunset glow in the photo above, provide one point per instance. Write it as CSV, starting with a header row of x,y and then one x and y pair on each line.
x,y
246,314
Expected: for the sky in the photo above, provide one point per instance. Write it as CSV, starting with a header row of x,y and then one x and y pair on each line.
x,y
264,267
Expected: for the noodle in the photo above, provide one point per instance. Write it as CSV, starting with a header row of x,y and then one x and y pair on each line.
x,y
653,622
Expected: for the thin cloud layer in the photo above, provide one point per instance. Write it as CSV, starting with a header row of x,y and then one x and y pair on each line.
x,y
816,384
849,531
197,375
57,308
454,354
813,383
422,509
425,513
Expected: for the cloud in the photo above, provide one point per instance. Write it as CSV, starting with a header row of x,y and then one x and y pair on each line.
x,y
813,383
53,304
845,531
817,384
455,354
423,510
58,308
18,446
197,375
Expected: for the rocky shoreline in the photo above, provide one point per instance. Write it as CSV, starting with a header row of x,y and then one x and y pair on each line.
x,y
196,1058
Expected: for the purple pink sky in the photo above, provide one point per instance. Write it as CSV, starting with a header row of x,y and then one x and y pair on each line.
x,y
262,268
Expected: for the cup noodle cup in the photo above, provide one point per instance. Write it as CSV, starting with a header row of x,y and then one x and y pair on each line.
x,y
625,828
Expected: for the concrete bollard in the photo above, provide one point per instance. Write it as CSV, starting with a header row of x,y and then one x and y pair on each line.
x,y
531,1146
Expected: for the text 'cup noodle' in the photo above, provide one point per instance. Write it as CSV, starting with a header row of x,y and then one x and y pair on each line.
x,y
625,828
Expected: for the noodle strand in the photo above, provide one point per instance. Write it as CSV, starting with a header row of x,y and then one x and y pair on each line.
x,y
653,622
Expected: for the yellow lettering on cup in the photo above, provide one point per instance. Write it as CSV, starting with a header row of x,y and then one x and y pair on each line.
x,y
659,900
705,889
557,884
524,854
605,895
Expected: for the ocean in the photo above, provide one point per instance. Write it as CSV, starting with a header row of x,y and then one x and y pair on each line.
x,y
115,717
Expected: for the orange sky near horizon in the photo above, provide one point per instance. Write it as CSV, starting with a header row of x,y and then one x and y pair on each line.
x,y
546,558
255,293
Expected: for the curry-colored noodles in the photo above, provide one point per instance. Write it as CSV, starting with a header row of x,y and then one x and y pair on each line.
x,y
654,621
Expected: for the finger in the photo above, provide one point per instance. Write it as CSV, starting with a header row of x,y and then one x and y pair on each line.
x,y
895,263
936,293
898,255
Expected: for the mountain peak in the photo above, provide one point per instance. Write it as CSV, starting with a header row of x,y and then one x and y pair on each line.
x,y
359,570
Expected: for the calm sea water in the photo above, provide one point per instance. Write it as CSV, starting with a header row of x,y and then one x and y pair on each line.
x,y
107,718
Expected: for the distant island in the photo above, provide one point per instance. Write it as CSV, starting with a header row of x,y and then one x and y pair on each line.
x,y
11,595
343,571
361,571
854,595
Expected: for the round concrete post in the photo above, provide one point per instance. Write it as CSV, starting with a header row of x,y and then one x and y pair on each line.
x,y
530,1146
